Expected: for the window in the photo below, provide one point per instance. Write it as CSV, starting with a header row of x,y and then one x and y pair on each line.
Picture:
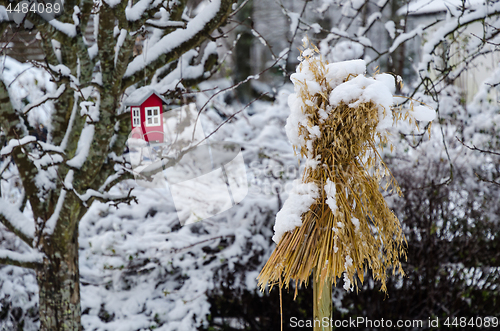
x,y
152,116
136,117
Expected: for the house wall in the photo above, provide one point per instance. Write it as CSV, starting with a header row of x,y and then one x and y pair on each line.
x,y
478,70
22,45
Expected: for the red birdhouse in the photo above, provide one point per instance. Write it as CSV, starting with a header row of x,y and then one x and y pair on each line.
x,y
146,115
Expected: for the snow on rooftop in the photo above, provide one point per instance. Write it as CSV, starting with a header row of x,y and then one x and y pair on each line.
x,y
421,7
137,97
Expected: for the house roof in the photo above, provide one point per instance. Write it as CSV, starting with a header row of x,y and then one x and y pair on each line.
x,y
423,7
137,97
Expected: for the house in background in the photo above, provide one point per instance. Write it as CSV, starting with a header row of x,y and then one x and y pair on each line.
x,y
427,12
146,116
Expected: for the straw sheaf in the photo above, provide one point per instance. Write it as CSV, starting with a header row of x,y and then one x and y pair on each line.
x,y
363,228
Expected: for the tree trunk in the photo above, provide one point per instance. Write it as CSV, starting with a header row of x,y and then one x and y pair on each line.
x,y
59,288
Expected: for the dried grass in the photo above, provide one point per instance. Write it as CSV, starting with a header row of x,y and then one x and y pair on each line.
x,y
326,241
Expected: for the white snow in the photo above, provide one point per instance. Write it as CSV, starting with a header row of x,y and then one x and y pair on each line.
x,y
15,143
66,28
119,43
403,37
294,21
451,25
46,97
174,283
51,223
347,280
83,148
421,7
302,196
361,89
331,192
72,117
355,222
135,12
112,3
423,113
358,89
390,26
34,256
172,40
338,72
17,218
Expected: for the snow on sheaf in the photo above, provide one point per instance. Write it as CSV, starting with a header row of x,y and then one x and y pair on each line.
x,y
313,163
302,196
356,90
331,191
347,281
363,89
297,118
355,222
423,113
338,72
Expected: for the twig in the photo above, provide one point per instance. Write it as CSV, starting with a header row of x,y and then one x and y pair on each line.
x,y
474,148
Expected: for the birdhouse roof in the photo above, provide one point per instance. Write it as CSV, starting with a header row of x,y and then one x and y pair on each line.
x,y
138,97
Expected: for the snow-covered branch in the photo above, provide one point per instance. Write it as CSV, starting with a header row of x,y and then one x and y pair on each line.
x,y
135,12
16,143
13,126
16,222
51,223
91,195
31,260
45,98
171,46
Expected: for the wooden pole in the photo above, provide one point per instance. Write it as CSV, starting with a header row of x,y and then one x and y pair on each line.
x,y
322,308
